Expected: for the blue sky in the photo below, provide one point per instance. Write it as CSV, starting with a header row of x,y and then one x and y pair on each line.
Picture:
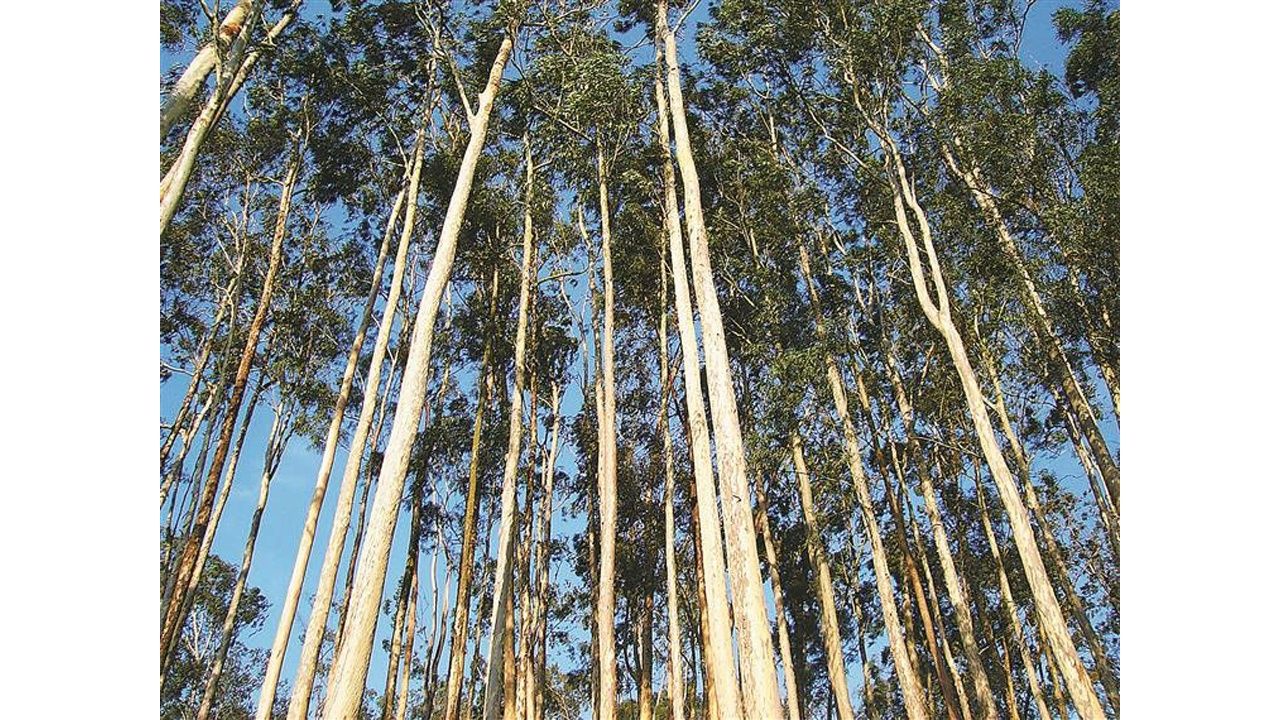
x,y
295,479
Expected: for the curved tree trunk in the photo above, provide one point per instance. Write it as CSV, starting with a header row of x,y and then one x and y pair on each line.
x,y
1043,326
939,315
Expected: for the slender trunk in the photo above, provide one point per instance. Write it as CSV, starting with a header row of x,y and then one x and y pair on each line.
x,y
172,188
829,622
608,477
193,78
215,107
406,611
1063,577
543,597
175,615
293,593
304,676
912,692
410,633
644,632
507,526
228,481
466,560
779,609
755,646
509,658
935,607
956,592
393,655
718,650
277,439
675,671
1010,607
718,638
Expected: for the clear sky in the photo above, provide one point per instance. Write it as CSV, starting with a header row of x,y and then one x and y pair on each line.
x,y
295,480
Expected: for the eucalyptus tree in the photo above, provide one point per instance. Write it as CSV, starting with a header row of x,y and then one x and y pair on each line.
x,y
351,663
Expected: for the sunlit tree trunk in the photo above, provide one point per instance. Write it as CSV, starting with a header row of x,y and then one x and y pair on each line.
x,y
912,692
304,676
779,609
829,622
175,616
675,670
755,645
293,592
956,592
192,80
211,113
1042,324
544,561
608,477
939,316
503,575
718,639
1014,621
1062,573
351,665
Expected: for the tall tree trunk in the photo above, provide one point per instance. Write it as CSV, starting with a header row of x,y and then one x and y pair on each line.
x,y
1063,577
1010,607
175,615
502,591
912,692
293,593
407,606
644,638
718,638
939,315
956,592
829,622
211,113
281,430
172,188
675,670
393,655
466,559
351,666
229,476
779,609
607,443
543,597
755,646
304,676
